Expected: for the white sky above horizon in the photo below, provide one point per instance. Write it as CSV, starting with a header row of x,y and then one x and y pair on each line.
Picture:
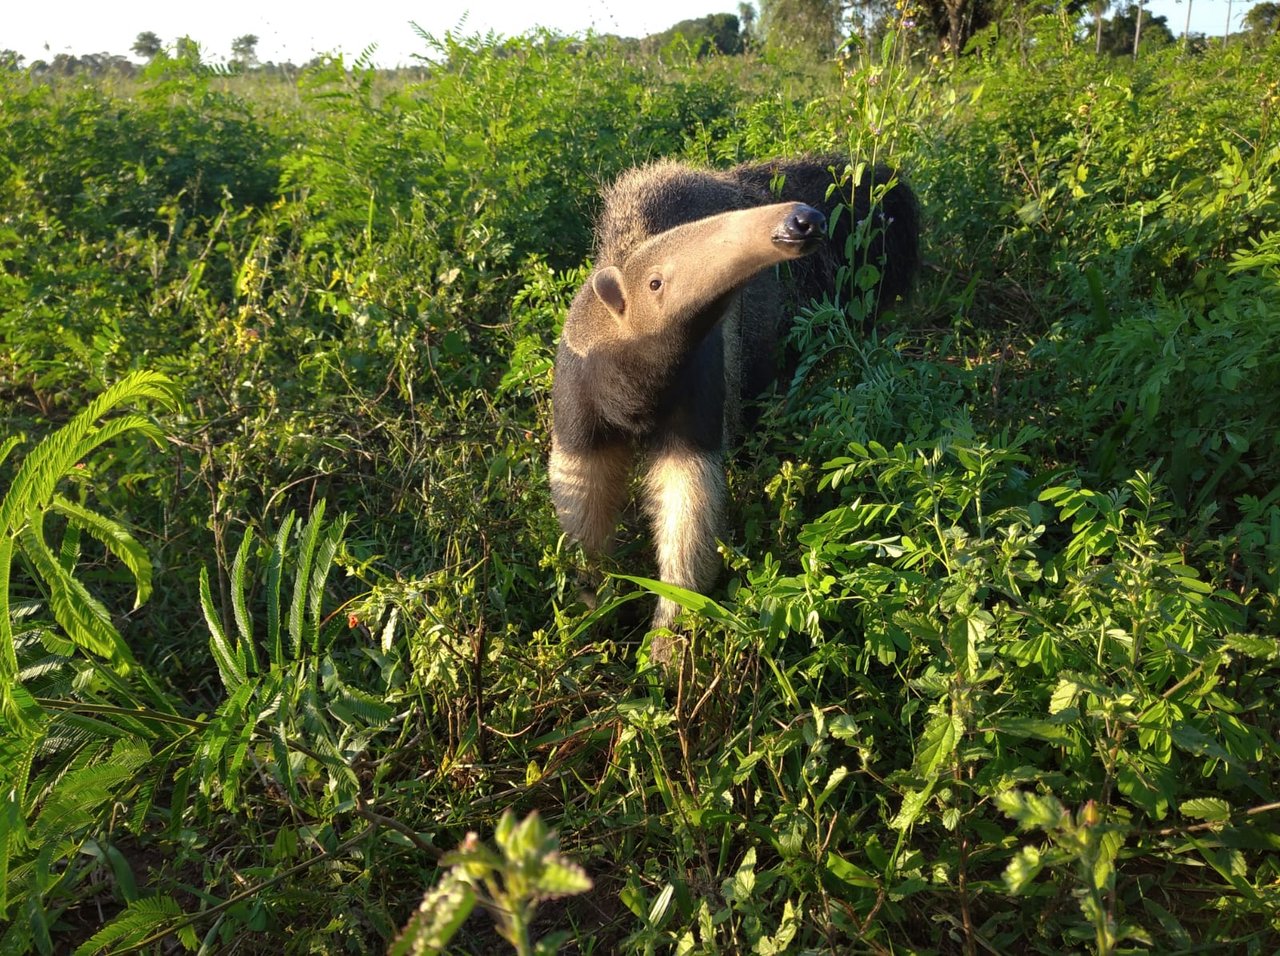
x,y
290,30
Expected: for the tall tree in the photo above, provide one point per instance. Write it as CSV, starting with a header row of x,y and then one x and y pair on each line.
x,y
747,17
805,26
954,22
718,32
244,50
147,45
1118,32
1098,8
1263,22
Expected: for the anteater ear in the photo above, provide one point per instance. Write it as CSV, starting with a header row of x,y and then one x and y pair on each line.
x,y
607,284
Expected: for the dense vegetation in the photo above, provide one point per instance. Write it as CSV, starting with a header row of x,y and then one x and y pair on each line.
x,y
283,610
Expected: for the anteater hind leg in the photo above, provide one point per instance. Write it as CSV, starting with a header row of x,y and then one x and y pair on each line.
x,y
684,496
589,489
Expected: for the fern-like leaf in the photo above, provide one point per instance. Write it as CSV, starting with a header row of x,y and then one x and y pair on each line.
x,y
298,629
141,919
8,653
228,657
325,553
115,539
239,589
32,494
80,615
275,570
55,456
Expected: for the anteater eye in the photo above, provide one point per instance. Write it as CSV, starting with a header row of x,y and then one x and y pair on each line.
x,y
655,285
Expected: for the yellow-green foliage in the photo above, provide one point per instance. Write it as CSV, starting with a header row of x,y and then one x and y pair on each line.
x,y
993,662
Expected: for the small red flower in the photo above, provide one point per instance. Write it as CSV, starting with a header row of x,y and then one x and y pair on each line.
x,y
353,621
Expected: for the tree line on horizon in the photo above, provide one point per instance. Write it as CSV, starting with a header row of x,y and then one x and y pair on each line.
x,y
817,27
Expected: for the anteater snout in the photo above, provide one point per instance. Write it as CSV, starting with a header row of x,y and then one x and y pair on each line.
x,y
806,222
804,226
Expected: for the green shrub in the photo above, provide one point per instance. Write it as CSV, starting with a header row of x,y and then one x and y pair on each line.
x,y
992,664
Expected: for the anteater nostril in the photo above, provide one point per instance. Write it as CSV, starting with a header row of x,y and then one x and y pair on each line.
x,y
805,222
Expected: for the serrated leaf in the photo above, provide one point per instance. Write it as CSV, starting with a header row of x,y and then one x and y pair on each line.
x,y
1253,645
742,885
54,457
327,548
356,707
913,803
1030,810
8,652
1022,869
844,727
780,942
1211,809
239,607
560,877
8,445
938,743
443,910
13,828
1033,727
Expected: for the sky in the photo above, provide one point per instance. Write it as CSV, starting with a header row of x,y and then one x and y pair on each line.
x,y
291,30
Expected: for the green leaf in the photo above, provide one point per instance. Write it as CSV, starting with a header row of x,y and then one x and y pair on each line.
x,y
299,632
8,445
57,454
228,657
938,743
846,872
690,600
239,607
1034,727
1022,869
325,552
1064,695
1253,645
115,538
8,652
844,727
1031,811
833,781
913,804
780,942
661,905
1212,809
141,919
80,615
560,877
13,829
741,887
275,570
354,707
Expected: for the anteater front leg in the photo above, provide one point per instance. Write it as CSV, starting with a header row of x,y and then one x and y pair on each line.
x,y
684,497
589,489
